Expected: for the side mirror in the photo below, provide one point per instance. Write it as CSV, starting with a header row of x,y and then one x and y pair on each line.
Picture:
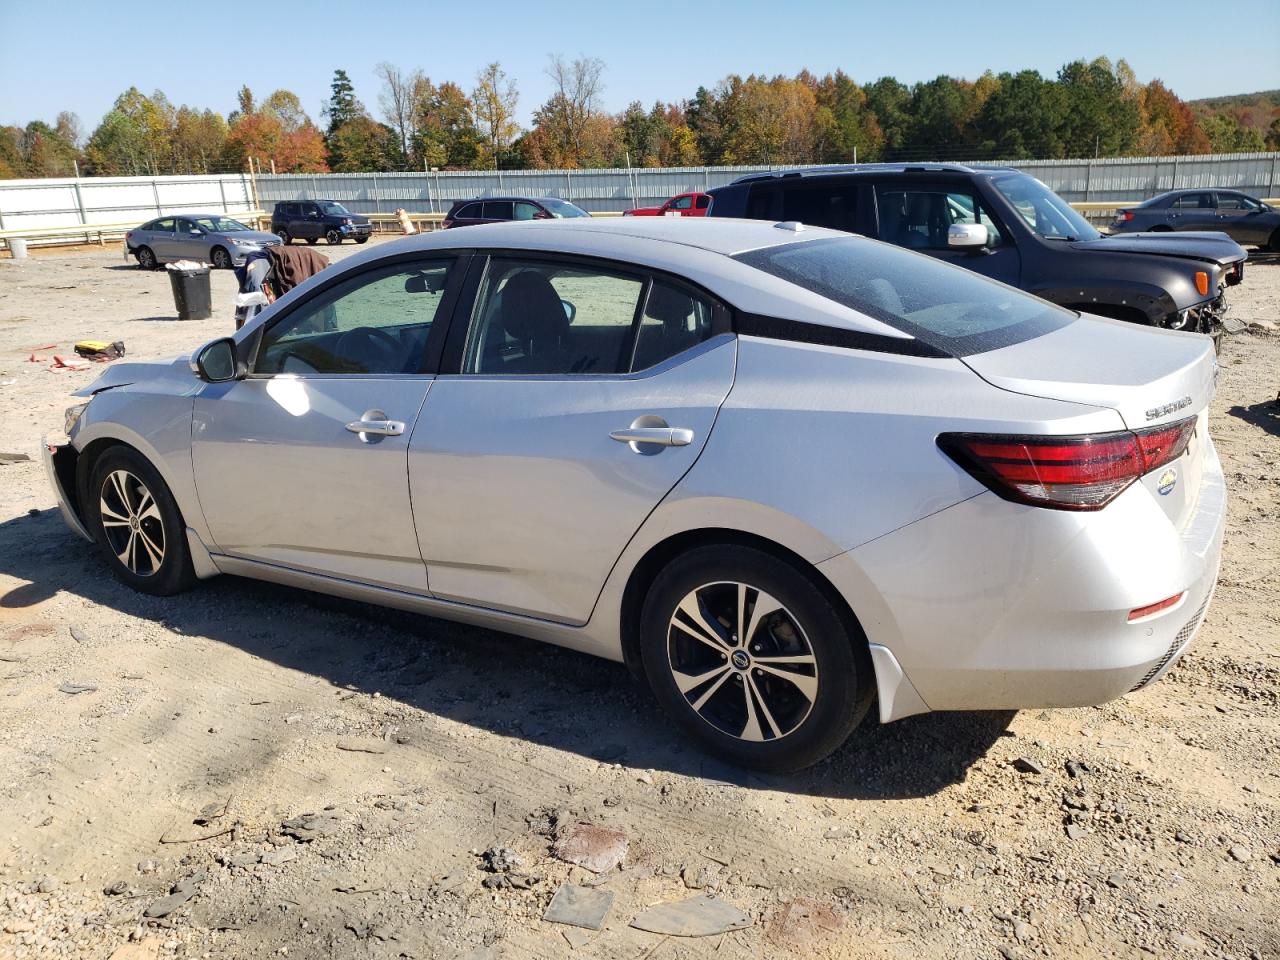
x,y
197,232
967,236
570,311
217,362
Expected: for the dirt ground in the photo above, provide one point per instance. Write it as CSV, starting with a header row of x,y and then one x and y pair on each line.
x,y
216,720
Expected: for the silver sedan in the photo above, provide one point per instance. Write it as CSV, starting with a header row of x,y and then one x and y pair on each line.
x,y
780,472
207,237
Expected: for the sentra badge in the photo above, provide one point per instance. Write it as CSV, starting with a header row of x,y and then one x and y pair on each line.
x,y
1168,408
1168,480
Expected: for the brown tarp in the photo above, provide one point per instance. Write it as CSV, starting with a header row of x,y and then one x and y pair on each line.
x,y
292,265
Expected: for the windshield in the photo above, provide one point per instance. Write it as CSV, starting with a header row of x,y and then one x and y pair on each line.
x,y
562,208
950,308
330,207
1043,210
220,224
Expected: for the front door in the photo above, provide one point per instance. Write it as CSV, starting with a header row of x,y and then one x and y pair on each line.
x,y
917,216
311,226
1241,218
585,393
304,463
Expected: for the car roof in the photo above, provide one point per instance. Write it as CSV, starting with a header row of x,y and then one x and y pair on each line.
x,y
515,197
870,168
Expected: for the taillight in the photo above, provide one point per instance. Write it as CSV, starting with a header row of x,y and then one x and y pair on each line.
x,y
1126,215
1066,473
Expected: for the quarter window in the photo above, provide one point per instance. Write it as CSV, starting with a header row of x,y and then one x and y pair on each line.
x,y
673,321
163,226
703,202
375,323
539,317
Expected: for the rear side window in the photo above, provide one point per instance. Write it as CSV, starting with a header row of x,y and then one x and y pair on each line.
x,y
164,226
831,204
947,307
498,210
1194,201
673,321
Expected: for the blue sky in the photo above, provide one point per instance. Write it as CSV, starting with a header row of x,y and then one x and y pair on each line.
x,y
81,55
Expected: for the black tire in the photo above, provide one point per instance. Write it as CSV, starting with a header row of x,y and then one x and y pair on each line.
x,y
146,258
1161,228
311,241
1274,243
283,234
332,237
221,258
362,239
795,731
162,527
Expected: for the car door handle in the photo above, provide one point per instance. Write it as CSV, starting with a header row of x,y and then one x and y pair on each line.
x,y
381,428
663,436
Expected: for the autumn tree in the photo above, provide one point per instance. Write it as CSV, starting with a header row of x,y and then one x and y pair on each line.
x,y
1021,118
493,103
398,100
1101,118
446,134
845,127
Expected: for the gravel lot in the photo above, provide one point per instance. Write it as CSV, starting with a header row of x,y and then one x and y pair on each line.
x,y
176,787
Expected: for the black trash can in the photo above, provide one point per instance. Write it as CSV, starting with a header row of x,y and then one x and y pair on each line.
x,y
191,291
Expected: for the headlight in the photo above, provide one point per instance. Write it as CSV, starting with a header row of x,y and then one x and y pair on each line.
x,y
71,416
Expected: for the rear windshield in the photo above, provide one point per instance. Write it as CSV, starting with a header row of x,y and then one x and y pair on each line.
x,y
950,308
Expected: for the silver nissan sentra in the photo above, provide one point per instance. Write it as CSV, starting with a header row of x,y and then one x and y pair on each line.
x,y
778,471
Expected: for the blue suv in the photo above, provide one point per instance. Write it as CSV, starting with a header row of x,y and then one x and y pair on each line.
x,y
311,220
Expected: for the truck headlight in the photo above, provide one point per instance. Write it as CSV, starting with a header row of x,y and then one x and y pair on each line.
x,y
72,416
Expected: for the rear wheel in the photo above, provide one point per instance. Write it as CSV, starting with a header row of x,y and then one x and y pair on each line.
x,y
332,237
362,239
146,258
221,259
751,659
283,234
137,524
311,241
1274,243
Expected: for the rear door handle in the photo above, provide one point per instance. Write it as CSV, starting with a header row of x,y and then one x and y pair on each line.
x,y
662,436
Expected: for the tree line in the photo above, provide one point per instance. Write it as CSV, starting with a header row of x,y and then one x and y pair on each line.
x,y
1090,108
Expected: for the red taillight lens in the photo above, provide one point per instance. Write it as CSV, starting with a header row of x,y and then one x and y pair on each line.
x,y
1066,473
1140,613
1126,215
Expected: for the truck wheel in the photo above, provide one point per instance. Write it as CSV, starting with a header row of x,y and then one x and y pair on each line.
x,y
332,237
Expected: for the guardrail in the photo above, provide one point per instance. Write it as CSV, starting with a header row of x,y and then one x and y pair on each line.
x,y
100,233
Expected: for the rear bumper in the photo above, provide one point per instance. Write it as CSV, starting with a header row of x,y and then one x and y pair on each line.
x,y
60,467
992,605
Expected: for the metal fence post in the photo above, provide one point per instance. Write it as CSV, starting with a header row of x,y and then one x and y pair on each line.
x,y
222,189
155,192
1272,189
80,202
568,187
1088,179
377,204
1173,185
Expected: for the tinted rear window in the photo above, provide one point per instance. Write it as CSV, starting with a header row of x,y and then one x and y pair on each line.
x,y
950,308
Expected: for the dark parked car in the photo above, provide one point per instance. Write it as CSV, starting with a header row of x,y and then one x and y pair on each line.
x,y
1009,226
1238,215
466,213
311,220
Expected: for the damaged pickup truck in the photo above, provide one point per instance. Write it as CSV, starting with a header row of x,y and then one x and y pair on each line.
x,y
1011,227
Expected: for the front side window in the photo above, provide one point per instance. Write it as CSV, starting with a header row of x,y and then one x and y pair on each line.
x,y
1237,201
333,209
681,203
542,317
526,210
948,307
918,218
1046,213
374,323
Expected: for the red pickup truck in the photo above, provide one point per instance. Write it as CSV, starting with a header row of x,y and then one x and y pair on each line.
x,y
681,205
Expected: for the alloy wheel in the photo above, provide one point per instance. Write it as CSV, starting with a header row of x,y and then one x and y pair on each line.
x,y
742,661
132,523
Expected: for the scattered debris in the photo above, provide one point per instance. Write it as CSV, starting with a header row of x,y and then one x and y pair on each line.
x,y
77,636
696,917
74,688
501,859
13,458
362,746
312,826
1240,854
214,810
278,856
579,906
1027,765
180,893
802,922
598,849
1077,769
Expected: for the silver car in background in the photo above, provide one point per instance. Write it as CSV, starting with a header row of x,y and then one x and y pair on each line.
x,y
208,237
778,471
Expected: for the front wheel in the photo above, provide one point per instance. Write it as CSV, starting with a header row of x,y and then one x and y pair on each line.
x,y
332,237
752,660
221,259
1274,243
137,524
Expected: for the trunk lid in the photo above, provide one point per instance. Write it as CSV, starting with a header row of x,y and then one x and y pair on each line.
x,y
1149,377
1205,246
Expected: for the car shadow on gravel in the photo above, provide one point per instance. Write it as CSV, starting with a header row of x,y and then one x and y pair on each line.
x,y
497,682
1265,414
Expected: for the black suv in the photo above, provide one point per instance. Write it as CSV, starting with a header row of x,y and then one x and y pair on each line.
x,y
1010,227
310,220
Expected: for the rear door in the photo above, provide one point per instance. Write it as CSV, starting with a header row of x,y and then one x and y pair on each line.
x,y
497,211
1194,211
917,216
161,239
304,463
583,391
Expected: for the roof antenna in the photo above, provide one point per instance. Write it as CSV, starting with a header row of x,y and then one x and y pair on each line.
x,y
795,226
